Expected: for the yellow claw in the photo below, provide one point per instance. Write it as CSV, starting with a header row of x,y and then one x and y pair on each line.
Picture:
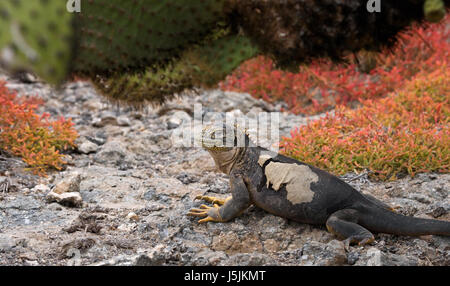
x,y
201,212
366,241
206,219
204,212
212,200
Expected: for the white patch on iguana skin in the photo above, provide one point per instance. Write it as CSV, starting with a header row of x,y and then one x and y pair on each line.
x,y
263,158
298,179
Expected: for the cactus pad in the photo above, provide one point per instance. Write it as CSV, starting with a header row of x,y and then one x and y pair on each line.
x,y
202,66
36,36
117,35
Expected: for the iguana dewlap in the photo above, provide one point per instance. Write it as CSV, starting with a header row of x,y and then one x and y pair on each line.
x,y
289,188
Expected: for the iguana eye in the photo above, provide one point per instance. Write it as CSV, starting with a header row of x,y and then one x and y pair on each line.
x,y
213,135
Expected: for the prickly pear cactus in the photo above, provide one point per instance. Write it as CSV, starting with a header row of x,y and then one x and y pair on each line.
x,y
213,62
155,85
106,37
202,66
36,35
117,35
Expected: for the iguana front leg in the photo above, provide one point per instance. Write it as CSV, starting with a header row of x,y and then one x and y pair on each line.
x,y
231,207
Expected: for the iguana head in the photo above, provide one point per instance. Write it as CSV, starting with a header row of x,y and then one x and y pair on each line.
x,y
225,143
222,138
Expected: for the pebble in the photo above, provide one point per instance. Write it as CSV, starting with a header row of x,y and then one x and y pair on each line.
x,y
132,216
126,227
178,118
123,121
70,199
324,254
6,243
106,118
87,147
113,152
375,257
41,188
69,184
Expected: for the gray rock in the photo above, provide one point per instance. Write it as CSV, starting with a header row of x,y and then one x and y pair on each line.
x,y
70,199
226,101
208,257
91,195
80,243
420,198
409,206
106,118
22,203
87,147
69,184
31,263
70,99
123,121
92,105
99,139
271,226
186,178
438,209
248,259
177,119
352,257
152,257
375,257
54,207
158,137
437,188
120,260
441,242
112,152
7,243
41,188
321,254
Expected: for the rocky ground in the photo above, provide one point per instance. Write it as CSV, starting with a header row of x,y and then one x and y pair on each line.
x,y
124,196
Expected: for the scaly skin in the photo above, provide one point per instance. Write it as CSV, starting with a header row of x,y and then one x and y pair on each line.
x,y
289,188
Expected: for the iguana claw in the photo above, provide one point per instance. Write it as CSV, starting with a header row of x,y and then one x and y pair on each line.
x,y
209,213
347,242
212,200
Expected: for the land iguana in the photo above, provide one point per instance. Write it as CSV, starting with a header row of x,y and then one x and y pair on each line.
x,y
294,190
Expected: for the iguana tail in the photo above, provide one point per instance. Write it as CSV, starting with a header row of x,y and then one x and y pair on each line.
x,y
382,220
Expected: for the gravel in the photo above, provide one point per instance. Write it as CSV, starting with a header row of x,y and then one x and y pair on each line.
x,y
136,185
